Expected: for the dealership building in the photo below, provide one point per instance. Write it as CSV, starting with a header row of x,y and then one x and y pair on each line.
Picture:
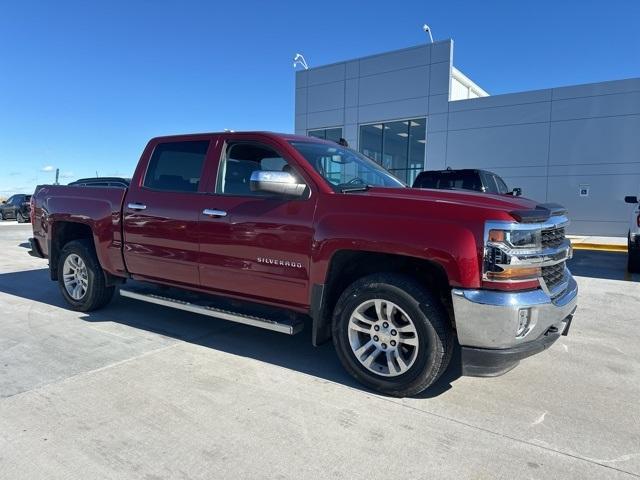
x,y
412,110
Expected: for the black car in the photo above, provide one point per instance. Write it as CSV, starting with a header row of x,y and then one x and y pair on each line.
x,y
102,182
464,179
18,207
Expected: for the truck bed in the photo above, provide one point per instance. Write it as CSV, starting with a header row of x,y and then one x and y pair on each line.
x,y
100,209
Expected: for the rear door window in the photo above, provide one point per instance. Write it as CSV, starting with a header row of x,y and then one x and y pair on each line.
x,y
176,166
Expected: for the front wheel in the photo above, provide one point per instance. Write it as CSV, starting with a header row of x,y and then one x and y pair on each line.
x,y
21,218
391,334
81,278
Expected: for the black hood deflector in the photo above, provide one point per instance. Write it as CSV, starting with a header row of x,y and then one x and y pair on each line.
x,y
540,214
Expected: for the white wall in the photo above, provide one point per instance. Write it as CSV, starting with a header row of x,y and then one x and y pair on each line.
x,y
463,88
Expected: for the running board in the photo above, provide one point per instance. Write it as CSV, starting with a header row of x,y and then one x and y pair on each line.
x,y
290,326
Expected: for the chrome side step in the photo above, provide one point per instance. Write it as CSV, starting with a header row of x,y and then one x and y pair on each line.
x,y
286,325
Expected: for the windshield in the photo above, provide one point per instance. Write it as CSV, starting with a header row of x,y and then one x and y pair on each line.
x,y
344,168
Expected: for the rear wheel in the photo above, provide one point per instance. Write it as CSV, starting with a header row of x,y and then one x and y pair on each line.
x,y
2,216
633,258
81,278
391,334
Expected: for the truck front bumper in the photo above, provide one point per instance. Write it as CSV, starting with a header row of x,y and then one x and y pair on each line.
x,y
488,323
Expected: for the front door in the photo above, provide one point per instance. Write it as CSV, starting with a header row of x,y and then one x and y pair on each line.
x,y
161,214
255,245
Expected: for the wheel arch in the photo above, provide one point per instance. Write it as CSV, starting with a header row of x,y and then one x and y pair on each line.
x,y
347,266
63,232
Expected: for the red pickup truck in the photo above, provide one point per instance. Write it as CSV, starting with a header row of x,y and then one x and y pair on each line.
x,y
279,231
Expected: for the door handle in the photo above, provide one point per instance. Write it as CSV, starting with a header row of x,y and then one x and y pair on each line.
x,y
212,212
136,206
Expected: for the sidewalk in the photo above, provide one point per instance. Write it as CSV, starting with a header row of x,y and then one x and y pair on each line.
x,y
608,244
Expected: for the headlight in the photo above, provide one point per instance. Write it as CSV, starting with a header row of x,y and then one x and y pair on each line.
x,y
501,261
529,239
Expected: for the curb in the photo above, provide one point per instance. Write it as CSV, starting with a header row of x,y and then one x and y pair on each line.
x,y
601,247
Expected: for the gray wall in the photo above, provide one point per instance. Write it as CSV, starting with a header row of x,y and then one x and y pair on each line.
x,y
403,84
548,142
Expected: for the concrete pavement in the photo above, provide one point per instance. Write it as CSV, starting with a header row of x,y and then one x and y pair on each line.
x,y
140,391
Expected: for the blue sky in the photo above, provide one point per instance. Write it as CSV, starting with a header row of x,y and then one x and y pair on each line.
x,y
84,85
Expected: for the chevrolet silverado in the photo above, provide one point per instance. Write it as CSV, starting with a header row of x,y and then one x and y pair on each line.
x,y
278,231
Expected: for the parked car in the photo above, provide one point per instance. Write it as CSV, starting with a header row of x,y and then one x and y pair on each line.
x,y
17,208
633,259
286,230
464,179
102,182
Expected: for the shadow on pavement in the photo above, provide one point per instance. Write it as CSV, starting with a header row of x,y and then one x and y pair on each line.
x,y
600,264
292,352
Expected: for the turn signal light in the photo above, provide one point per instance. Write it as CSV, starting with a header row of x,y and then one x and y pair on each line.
x,y
519,273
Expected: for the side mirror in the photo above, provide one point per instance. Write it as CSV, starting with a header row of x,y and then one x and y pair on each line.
x,y
281,183
516,192
631,199
4,202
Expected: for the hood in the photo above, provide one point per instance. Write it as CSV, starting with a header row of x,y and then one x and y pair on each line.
x,y
520,208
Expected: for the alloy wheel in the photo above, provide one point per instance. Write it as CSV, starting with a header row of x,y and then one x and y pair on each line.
x,y
383,337
75,276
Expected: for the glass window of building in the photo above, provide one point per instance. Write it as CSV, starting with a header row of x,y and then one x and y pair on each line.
x,y
371,141
332,134
397,146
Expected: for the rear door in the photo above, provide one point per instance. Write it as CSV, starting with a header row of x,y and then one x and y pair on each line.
x,y
162,209
254,245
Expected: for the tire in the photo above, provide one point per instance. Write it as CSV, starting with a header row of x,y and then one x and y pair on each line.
x,y
422,329
2,217
21,218
633,257
93,293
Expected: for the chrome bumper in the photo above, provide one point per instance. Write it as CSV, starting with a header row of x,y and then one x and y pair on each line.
x,y
489,319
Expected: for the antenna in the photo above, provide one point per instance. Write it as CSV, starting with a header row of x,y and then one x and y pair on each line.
x,y
299,60
427,29
57,176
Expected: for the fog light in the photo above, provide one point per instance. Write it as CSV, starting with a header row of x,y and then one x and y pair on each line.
x,y
524,319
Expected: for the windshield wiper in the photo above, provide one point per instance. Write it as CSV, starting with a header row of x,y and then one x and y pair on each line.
x,y
361,188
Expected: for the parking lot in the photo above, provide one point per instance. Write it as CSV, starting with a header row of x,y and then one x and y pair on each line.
x,y
140,391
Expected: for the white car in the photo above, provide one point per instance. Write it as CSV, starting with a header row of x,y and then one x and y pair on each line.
x,y
633,264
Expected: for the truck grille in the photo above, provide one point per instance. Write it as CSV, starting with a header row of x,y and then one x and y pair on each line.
x,y
553,275
552,237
